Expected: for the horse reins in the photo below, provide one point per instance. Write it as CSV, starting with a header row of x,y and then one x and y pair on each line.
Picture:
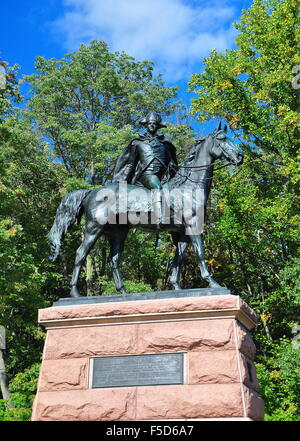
x,y
198,167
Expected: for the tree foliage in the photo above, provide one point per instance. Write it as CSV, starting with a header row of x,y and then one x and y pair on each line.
x,y
88,103
254,214
66,137
82,112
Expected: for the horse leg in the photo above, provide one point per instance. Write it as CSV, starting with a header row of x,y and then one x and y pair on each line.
x,y
181,243
91,235
117,241
197,241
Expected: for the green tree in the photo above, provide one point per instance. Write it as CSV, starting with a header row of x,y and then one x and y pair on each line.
x,y
29,184
36,172
23,389
279,382
87,104
253,233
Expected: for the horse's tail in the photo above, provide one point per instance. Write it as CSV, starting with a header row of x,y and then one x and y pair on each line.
x,y
69,210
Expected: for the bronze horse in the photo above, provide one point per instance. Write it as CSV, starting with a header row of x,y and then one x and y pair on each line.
x,y
112,213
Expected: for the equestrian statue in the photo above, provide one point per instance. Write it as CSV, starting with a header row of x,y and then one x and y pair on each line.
x,y
151,192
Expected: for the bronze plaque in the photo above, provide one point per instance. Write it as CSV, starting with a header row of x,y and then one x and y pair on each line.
x,y
138,370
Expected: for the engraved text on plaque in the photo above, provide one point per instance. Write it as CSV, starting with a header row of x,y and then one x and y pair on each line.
x,y
138,370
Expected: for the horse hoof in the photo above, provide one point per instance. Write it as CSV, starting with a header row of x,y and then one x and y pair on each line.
x,y
52,259
75,292
213,284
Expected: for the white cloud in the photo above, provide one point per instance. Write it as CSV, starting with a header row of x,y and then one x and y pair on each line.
x,y
175,34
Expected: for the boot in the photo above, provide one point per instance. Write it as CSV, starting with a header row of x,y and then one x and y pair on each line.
x,y
157,208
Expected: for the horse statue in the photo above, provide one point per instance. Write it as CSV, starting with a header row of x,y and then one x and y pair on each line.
x,y
116,208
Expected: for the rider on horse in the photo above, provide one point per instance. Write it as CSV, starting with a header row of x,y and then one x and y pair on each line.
x,y
148,161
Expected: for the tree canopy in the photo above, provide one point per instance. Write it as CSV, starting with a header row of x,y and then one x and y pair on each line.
x,y
82,111
255,217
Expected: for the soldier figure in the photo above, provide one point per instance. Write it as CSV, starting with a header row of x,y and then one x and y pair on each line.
x,y
148,161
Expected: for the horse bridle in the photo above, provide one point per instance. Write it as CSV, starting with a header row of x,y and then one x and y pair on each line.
x,y
203,166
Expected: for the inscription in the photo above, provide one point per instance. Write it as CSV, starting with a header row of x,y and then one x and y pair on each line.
x,y
138,370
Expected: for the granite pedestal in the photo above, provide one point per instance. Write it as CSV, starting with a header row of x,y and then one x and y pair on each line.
x,y
189,356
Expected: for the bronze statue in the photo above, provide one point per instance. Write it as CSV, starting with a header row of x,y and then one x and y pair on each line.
x,y
148,161
185,216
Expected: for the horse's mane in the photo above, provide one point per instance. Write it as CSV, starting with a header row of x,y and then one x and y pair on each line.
x,y
183,173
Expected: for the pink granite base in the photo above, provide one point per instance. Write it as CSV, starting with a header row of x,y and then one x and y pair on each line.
x,y
212,333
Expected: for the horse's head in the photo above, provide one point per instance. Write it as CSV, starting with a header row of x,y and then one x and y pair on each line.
x,y
202,155
223,148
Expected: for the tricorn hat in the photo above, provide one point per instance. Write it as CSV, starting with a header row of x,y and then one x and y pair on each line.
x,y
154,115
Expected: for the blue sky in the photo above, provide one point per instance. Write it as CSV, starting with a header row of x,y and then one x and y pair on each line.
x,y
175,34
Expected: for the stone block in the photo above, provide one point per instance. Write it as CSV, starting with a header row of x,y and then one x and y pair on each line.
x,y
86,405
91,341
65,374
150,403
189,402
254,404
228,366
212,367
192,335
